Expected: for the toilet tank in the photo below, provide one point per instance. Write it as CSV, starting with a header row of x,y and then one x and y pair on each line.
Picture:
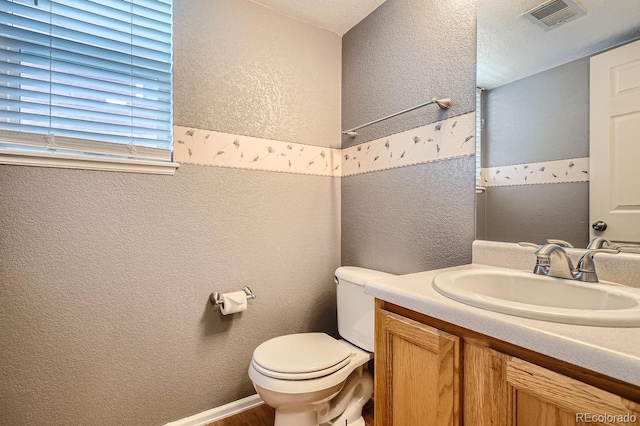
x,y
355,309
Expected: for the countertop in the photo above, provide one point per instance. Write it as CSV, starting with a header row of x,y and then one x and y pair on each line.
x,y
612,351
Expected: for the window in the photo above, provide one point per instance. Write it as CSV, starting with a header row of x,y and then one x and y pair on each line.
x,y
88,79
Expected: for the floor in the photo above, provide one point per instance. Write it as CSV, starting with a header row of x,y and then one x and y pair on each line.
x,y
264,415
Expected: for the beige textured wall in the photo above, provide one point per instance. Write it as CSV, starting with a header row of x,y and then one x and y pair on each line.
x,y
105,277
243,68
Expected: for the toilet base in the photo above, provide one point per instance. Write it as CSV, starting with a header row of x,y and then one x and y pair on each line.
x,y
340,405
308,419
357,422
346,407
305,418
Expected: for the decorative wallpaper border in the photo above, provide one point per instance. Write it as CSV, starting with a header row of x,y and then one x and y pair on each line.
x,y
450,138
211,148
453,137
558,171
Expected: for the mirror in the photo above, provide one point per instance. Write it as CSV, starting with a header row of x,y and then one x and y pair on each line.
x,y
534,135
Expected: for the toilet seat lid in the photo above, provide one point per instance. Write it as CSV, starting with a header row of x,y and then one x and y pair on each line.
x,y
301,353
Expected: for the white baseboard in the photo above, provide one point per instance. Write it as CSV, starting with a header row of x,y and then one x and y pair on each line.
x,y
219,413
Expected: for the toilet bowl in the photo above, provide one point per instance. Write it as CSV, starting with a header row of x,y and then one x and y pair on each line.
x,y
312,379
316,393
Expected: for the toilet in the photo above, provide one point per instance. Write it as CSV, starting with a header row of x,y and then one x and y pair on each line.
x,y
312,379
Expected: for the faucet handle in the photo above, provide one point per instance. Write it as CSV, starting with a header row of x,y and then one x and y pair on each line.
x,y
561,243
525,244
586,268
542,264
591,252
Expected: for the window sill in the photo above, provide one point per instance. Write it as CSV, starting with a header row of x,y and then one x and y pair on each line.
x,y
64,161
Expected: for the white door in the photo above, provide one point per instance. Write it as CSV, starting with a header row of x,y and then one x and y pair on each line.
x,y
615,143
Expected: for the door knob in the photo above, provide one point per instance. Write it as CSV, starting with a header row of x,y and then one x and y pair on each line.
x,y
599,226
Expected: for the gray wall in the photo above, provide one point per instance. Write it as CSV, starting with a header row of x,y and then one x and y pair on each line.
x,y
536,213
105,277
403,54
418,217
539,118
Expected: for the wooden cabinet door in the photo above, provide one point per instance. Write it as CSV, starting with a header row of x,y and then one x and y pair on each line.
x,y
417,380
500,390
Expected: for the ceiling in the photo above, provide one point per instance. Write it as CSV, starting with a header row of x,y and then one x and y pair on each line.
x,y
337,16
511,47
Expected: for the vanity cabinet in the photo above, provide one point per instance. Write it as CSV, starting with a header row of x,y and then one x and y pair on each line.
x,y
417,373
501,390
429,372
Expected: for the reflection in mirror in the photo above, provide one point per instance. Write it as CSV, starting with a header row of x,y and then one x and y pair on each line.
x,y
534,111
601,243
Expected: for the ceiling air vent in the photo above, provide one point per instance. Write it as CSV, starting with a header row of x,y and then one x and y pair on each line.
x,y
554,12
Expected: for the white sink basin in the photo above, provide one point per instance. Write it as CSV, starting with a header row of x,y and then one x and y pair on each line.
x,y
526,294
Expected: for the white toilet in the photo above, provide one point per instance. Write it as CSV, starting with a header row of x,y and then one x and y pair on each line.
x,y
313,379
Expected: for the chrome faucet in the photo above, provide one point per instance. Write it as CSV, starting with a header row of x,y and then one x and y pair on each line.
x,y
553,261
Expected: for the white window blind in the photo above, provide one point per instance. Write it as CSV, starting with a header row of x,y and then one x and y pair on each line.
x,y
87,77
